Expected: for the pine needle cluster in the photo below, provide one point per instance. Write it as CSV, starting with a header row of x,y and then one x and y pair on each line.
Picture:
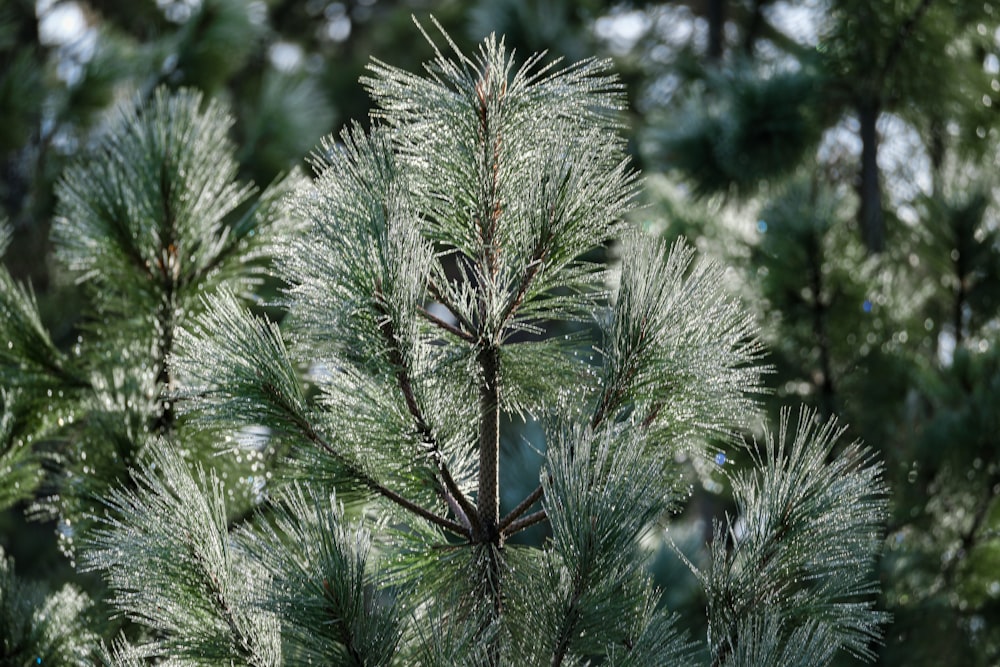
x,y
152,220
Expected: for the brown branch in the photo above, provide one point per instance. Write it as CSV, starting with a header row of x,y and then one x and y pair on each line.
x,y
608,401
457,495
360,475
488,220
653,414
522,507
538,258
169,266
527,521
450,328
314,437
438,294
214,588
518,297
426,434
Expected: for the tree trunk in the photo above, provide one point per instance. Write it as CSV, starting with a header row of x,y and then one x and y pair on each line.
x,y
753,26
716,28
870,216
937,153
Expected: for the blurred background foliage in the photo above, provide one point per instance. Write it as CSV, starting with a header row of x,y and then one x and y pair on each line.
x,y
839,155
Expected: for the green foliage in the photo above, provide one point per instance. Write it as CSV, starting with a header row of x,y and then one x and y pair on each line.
x,y
535,130
147,225
154,229
283,122
596,596
215,42
941,560
960,245
37,627
444,255
21,91
30,358
678,346
20,467
902,344
746,129
176,571
797,559
325,584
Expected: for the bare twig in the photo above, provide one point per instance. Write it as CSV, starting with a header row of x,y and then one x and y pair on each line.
x,y
527,521
522,507
450,328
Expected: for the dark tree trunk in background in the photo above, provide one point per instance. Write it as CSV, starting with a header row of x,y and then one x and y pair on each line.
x,y
937,153
24,209
716,28
753,26
870,188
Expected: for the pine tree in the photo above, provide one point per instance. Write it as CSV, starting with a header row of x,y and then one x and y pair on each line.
x,y
760,115
149,223
440,254
901,343
145,236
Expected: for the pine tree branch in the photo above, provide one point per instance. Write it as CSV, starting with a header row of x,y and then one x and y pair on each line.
x,y
385,492
522,507
214,589
438,322
60,373
517,298
488,498
530,520
534,267
613,394
654,412
170,272
427,435
488,219
512,525
453,492
123,238
364,478
346,636
489,562
600,414
580,582
470,329
164,421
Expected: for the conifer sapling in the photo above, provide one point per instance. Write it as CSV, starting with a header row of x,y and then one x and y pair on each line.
x,y
444,252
